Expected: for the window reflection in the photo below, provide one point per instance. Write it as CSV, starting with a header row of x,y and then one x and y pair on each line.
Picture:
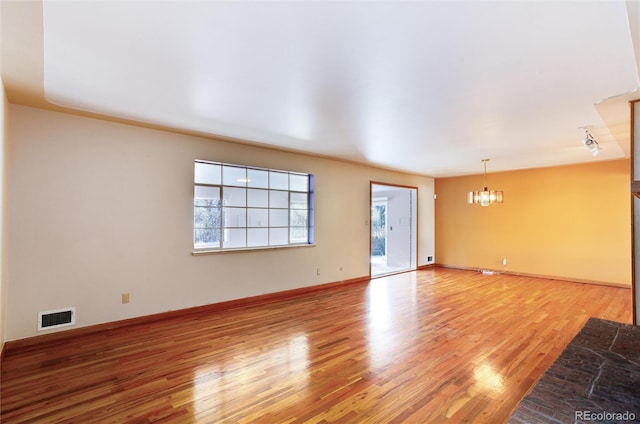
x,y
211,382
381,341
489,379
392,320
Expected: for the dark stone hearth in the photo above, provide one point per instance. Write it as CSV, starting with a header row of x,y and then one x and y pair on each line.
x,y
596,379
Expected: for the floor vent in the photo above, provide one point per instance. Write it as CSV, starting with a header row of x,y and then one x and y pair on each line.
x,y
56,319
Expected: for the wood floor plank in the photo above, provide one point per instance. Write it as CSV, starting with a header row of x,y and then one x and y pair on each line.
x,y
436,345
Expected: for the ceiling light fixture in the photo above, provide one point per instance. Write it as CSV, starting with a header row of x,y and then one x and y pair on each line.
x,y
485,197
590,143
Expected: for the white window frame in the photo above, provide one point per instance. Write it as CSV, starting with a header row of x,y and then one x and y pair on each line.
x,y
232,212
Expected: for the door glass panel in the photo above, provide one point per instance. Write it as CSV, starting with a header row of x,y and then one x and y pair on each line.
x,y
393,229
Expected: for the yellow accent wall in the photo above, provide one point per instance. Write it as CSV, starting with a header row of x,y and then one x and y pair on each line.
x,y
569,222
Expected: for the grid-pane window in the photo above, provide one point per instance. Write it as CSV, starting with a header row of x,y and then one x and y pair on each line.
x,y
238,207
258,178
206,216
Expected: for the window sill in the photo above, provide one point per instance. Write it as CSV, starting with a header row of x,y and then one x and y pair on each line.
x,y
201,252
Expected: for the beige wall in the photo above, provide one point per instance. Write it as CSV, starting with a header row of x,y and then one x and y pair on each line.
x,y
570,222
98,209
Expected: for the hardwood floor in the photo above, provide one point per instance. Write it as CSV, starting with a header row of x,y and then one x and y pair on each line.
x,y
437,345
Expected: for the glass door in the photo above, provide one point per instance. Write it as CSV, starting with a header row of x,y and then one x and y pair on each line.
x,y
379,234
393,229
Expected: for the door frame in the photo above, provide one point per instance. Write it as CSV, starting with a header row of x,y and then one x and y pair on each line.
x,y
415,231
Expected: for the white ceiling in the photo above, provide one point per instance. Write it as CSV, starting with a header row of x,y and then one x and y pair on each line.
x,y
430,87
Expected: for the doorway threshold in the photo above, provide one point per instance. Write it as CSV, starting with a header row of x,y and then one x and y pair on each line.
x,y
394,272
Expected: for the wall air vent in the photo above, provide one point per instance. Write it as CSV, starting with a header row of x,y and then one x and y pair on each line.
x,y
56,318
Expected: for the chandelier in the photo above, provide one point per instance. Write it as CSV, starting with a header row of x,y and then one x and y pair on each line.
x,y
485,197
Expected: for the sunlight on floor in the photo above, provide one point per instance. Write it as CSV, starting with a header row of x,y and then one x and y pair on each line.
x,y
212,382
489,379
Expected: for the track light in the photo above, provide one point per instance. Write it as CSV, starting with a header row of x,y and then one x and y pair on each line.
x,y
590,143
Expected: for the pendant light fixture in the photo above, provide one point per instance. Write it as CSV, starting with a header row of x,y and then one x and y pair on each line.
x,y
485,197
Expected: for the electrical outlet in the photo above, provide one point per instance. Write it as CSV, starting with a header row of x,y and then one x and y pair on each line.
x,y
429,258
317,271
125,298
504,261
